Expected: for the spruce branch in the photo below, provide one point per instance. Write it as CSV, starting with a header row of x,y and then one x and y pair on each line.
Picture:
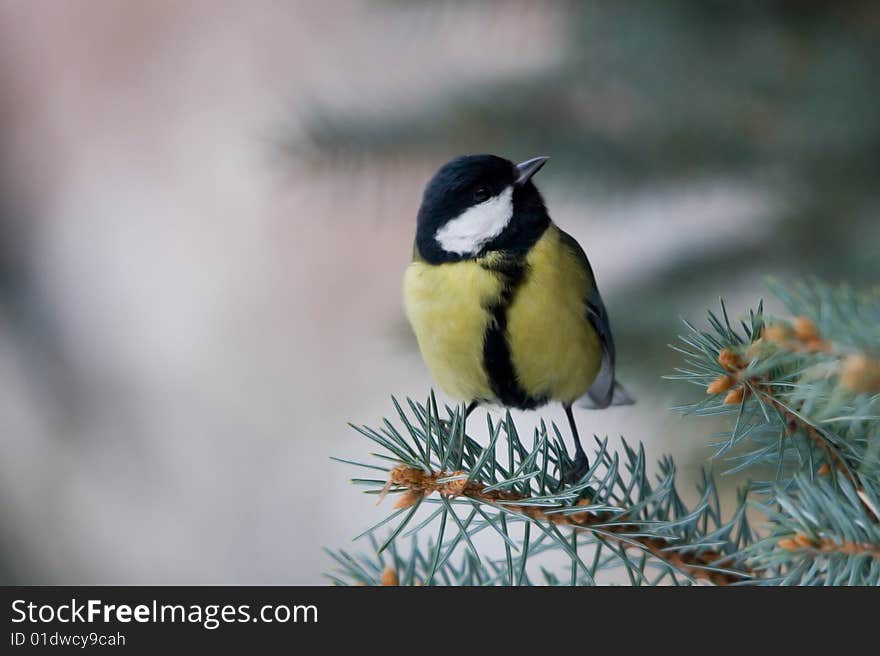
x,y
615,508
611,525
821,534
800,389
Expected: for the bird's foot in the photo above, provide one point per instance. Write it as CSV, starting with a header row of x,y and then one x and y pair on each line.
x,y
573,470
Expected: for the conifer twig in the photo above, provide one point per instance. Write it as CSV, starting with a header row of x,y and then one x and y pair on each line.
x,y
418,484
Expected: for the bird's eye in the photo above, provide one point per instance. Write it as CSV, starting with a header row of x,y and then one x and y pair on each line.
x,y
481,194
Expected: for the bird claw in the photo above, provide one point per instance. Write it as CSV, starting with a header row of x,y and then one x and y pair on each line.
x,y
574,471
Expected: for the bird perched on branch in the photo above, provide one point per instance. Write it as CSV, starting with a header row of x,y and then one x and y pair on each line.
x,y
503,303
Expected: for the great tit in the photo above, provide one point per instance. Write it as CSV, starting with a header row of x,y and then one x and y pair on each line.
x,y
503,303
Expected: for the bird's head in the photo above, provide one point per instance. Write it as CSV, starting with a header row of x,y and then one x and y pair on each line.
x,y
480,203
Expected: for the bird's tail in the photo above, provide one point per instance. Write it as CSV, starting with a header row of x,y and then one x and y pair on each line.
x,y
619,396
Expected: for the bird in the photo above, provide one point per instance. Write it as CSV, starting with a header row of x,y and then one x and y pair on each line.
x,y
503,303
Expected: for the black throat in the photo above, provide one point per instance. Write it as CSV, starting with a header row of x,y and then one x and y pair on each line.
x,y
512,270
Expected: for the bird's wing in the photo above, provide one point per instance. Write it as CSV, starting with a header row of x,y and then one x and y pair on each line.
x,y
605,390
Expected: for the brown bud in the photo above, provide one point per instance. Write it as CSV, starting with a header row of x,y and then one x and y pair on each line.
x,y
850,548
756,349
778,333
805,330
406,476
817,346
581,516
803,541
389,577
720,384
457,487
407,499
729,359
824,470
734,396
788,544
860,374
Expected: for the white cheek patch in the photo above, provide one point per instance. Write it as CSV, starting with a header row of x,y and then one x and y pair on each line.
x,y
477,225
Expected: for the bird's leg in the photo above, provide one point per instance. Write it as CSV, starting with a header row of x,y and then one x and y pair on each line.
x,y
580,465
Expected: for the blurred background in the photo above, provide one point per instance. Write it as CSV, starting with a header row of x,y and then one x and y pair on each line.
x,y
206,209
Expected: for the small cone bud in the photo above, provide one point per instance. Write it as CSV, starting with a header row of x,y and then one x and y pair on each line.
x,y
581,516
406,476
824,470
407,499
455,488
860,374
756,349
805,330
788,544
803,541
720,384
777,333
389,577
818,346
729,359
734,396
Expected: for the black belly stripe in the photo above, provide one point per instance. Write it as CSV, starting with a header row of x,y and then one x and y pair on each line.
x,y
496,347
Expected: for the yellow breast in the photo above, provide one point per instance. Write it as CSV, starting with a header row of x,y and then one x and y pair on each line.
x,y
555,351
553,348
445,306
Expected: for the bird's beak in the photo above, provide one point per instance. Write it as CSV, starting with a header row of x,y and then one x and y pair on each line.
x,y
528,168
